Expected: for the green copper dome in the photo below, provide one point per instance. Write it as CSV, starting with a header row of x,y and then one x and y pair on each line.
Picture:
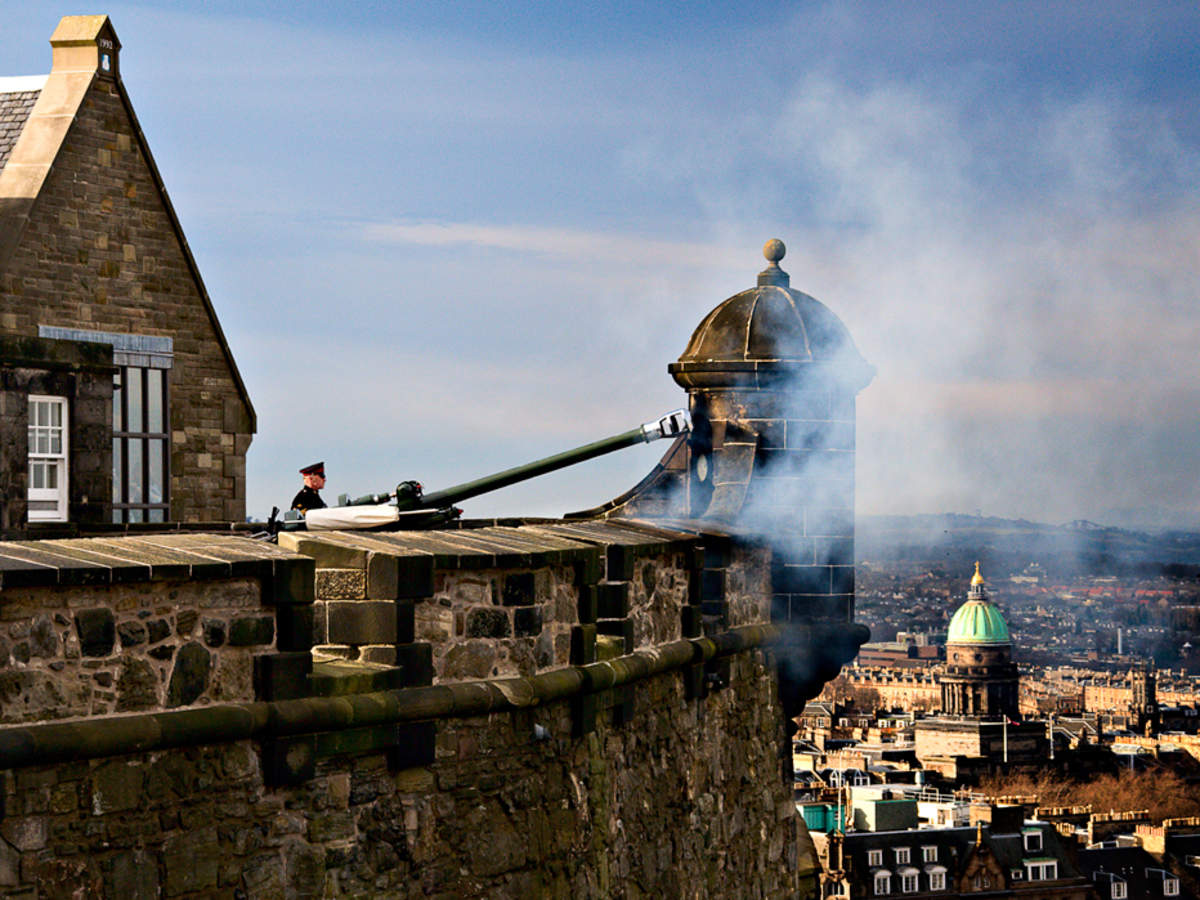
x,y
978,622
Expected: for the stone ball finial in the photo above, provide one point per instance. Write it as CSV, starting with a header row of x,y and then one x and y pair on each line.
x,y
774,250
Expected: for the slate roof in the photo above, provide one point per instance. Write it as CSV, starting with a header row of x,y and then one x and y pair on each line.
x,y
15,107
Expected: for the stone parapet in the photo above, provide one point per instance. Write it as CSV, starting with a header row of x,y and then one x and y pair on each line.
x,y
492,600
96,626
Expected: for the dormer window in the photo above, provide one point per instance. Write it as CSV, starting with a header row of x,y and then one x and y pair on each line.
x,y
883,883
902,855
1170,886
929,854
874,858
1033,840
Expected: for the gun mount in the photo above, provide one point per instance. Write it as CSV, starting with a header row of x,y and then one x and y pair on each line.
x,y
408,506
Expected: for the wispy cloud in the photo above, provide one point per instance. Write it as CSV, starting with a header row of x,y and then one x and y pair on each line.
x,y
579,244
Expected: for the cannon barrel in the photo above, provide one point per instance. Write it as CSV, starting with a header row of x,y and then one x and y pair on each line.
x,y
671,425
408,494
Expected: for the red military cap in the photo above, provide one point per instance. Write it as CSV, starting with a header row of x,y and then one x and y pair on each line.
x,y
317,468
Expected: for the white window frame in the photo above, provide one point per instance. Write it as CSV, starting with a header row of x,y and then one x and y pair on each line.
x,y
51,460
1033,840
908,883
903,855
1170,886
937,881
1042,871
1118,890
874,858
929,853
883,883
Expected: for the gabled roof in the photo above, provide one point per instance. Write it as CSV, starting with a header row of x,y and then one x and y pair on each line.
x,y
36,113
17,96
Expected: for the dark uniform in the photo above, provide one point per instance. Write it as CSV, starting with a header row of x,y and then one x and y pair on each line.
x,y
307,499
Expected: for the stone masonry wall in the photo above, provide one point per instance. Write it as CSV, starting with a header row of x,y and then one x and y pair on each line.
x,y
683,800
91,627
483,621
100,252
123,648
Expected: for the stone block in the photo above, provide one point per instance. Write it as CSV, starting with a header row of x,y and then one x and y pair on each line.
x,y
294,624
190,675
251,631
341,584
137,686
583,644
619,563
468,660
588,607
416,745
488,622
282,676
97,631
382,577
613,600
361,622
520,589
406,622
527,621
622,628
379,653
289,761
116,787
416,660
712,585
414,576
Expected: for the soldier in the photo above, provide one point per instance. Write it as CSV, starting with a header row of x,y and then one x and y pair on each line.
x,y
314,480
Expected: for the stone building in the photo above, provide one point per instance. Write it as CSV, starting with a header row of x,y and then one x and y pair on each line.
x,y
980,678
120,400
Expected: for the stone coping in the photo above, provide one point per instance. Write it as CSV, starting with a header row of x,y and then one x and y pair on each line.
x,y
155,557
44,744
515,544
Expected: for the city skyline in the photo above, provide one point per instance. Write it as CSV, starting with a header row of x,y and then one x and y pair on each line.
x,y
442,242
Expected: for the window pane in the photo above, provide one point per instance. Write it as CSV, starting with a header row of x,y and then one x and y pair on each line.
x,y
37,475
43,441
154,467
135,515
52,476
134,389
56,441
154,400
118,412
32,440
134,484
156,515
55,414
118,470
37,413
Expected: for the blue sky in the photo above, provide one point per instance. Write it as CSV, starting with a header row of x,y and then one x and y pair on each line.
x,y
445,238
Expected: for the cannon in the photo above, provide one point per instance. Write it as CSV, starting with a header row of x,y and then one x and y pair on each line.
x,y
408,506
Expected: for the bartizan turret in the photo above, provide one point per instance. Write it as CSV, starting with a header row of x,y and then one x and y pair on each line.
x,y
772,377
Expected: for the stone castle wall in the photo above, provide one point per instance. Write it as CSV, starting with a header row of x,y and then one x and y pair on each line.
x,y
653,771
682,801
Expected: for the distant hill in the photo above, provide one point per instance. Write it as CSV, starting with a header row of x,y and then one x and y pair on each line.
x,y
1010,546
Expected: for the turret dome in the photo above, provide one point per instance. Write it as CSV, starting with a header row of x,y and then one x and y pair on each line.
x,y
767,333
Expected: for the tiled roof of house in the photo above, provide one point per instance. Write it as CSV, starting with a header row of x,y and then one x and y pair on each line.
x,y
15,107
